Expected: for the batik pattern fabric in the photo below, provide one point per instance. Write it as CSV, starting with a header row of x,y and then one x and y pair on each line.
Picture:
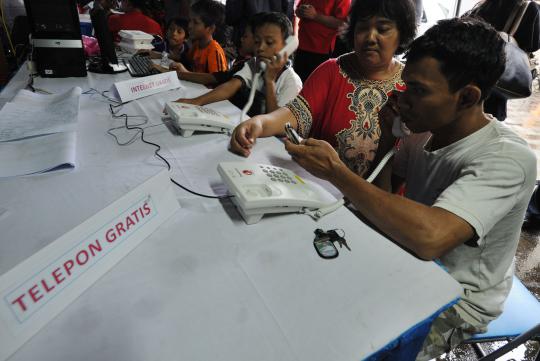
x,y
340,106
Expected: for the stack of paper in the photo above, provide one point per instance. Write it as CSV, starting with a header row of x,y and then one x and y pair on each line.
x,y
38,132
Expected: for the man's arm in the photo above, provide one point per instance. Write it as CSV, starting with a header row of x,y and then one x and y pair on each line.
x,y
429,232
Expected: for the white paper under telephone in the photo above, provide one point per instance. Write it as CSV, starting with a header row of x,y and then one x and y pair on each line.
x,y
258,189
188,118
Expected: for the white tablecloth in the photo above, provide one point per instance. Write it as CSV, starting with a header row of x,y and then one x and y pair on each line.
x,y
205,285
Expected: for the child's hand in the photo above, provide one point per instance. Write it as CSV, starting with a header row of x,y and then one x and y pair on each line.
x,y
274,66
177,67
159,68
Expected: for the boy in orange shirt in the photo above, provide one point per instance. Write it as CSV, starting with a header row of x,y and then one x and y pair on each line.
x,y
206,54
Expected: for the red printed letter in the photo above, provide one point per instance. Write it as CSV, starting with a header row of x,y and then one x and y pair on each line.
x,y
68,265
20,302
85,258
147,209
120,229
134,214
46,286
110,236
57,276
34,293
129,223
95,247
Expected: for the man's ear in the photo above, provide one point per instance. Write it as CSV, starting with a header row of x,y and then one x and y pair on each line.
x,y
469,96
212,28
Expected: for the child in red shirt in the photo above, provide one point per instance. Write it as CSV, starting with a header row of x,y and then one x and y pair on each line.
x,y
133,19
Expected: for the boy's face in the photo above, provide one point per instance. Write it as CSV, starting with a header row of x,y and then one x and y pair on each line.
x,y
175,35
247,42
268,40
197,29
427,104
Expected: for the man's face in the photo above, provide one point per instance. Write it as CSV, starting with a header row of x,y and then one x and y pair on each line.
x,y
268,40
427,104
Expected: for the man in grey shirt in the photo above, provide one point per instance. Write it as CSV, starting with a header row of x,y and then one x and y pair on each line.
x,y
468,179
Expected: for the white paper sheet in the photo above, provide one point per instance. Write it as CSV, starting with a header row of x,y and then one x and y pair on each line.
x,y
31,114
37,154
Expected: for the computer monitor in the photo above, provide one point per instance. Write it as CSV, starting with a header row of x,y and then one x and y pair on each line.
x,y
108,63
56,37
53,19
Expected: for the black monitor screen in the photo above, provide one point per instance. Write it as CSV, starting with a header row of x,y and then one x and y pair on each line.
x,y
53,18
103,35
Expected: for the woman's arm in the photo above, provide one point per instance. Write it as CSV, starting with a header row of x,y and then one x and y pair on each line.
x,y
265,125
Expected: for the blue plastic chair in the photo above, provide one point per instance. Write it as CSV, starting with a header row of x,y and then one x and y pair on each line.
x,y
519,322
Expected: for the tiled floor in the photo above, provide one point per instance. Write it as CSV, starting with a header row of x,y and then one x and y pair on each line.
x,y
524,118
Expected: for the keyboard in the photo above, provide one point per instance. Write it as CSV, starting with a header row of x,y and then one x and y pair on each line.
x,y
140,65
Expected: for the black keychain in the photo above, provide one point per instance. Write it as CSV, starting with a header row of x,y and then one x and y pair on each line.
x,y
324,243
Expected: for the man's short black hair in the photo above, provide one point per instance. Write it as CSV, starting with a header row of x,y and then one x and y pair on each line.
x,y
468,50
402,12
181,23
275,18
211,12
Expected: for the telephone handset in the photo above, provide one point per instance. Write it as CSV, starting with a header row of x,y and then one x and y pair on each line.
x,y
258,189
399,129
187,118
291,43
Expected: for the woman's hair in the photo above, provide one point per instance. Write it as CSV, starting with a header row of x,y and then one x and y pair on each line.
x,y
180,23
495,12
402,12
468,51
275,18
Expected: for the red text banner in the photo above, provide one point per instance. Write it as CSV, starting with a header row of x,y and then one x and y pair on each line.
x,y
42,286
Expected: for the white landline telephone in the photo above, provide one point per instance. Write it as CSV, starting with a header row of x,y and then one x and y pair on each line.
x,y
258,189
187,118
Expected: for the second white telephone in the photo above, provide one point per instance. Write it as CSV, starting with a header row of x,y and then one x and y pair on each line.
x,y
258,189
188,118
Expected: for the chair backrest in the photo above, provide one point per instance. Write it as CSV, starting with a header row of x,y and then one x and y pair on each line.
x,y
521,313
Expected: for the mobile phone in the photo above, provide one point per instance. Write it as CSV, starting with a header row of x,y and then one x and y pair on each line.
x,y
291,134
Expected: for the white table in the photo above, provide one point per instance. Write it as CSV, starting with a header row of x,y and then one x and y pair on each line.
x,y
205,286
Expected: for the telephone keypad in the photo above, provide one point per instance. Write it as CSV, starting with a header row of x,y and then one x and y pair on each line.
x,y
277,174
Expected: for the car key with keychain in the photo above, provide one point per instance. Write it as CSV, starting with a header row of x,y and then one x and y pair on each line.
x,y
324,242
